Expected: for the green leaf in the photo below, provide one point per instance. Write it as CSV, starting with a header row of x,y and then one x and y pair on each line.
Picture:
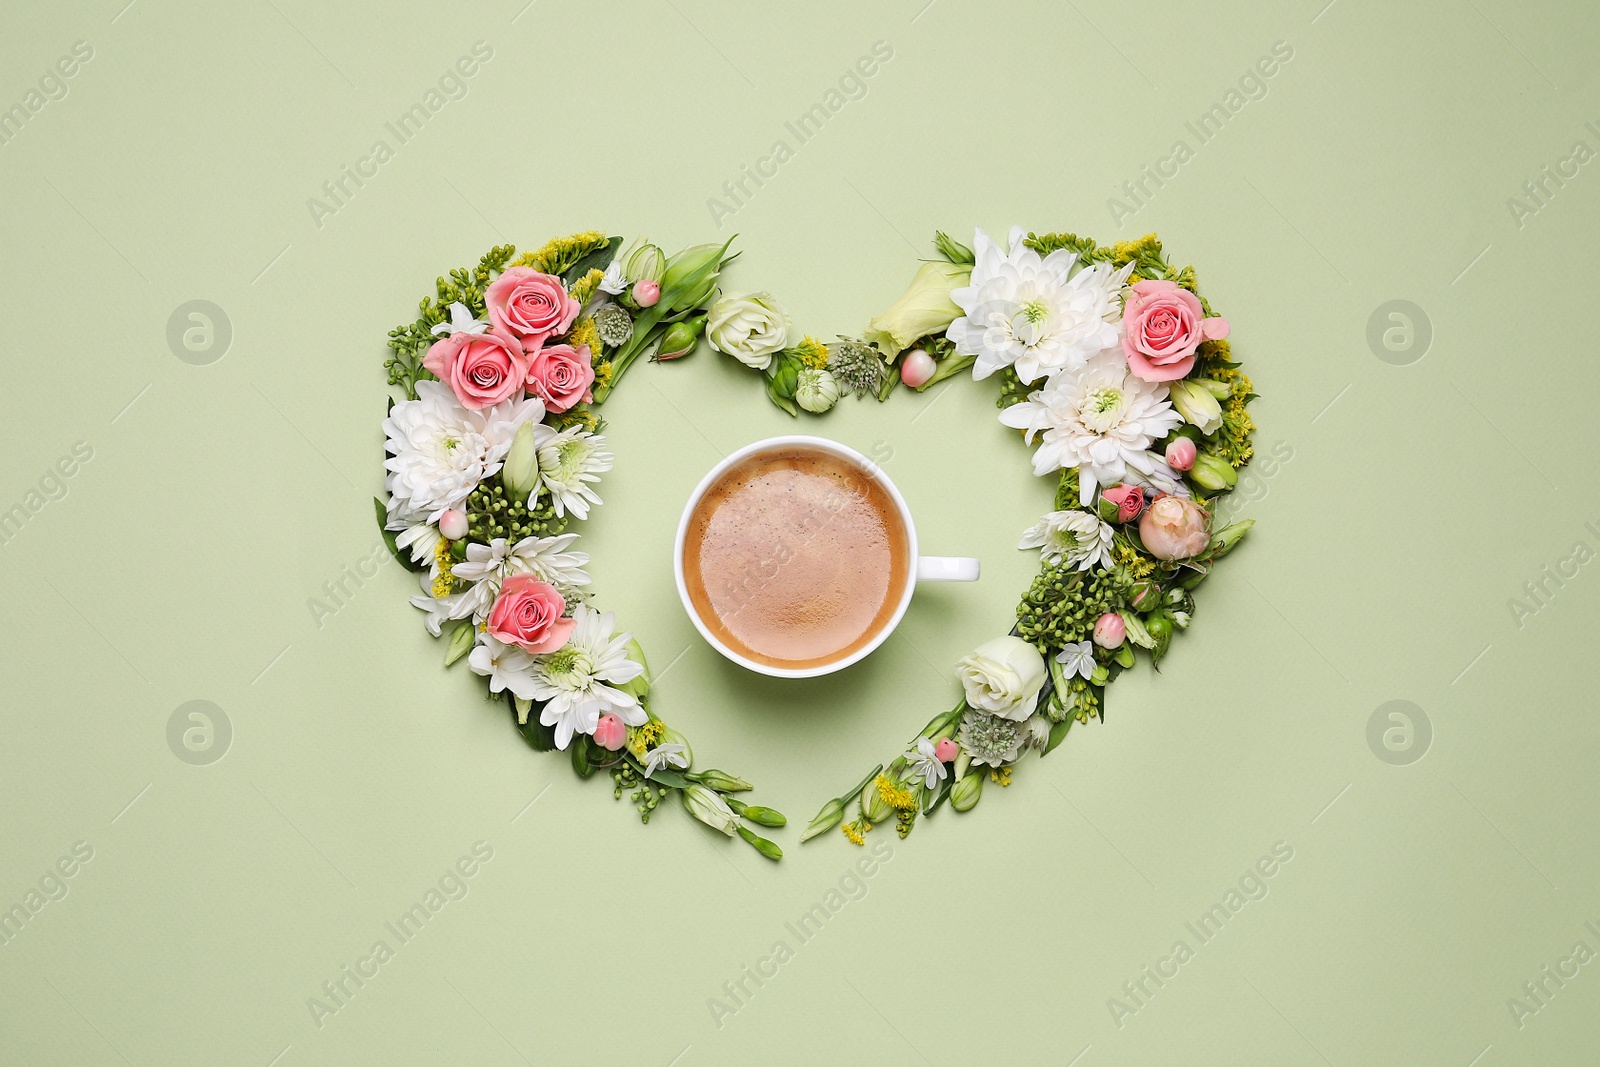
x,y
600,257
782,401
670,778
931,801
1058,733
580,757
539,737
388,538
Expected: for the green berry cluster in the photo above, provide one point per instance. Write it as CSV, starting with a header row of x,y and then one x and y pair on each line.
x,y
492,513
1062,605
1082,703
1012,391
645,796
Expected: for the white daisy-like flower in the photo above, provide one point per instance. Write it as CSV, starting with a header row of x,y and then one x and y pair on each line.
x,y
1076,537
506,667
461,321
1035,313
572,681
546,558
416,535
569,463
1078,658
669,756
472,602
1100,419
615,280
925,764
439,451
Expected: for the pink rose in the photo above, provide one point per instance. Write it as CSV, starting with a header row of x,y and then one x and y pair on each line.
x,y
1128,500
561,375
531,305
482,369
1163,324
1175,527
527,613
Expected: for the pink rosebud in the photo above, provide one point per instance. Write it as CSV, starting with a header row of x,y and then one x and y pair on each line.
x,y
1109,630
646,293
610,733
453,524
946,750
1128,500
1181,454
916,367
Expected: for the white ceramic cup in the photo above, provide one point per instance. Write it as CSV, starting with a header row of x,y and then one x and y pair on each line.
x,y
919,568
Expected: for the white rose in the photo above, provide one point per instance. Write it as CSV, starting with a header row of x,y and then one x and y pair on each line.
x,y
750,327
1003,677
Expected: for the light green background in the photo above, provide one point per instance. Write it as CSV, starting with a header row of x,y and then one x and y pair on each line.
x,y
221,498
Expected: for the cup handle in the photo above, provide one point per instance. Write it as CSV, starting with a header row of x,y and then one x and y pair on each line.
x,y
947,569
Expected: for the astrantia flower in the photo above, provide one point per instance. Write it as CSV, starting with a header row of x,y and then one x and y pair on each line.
x,y
572,681
856,366
1076,537
569,462
991,740
1100,419
925,763
1035,313
614,324
668,756
439,450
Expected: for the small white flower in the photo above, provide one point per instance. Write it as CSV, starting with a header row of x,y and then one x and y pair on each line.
x,y
569,463
461,321
616,280
1076,537
925,764
669,756
572,680
506,666
1078,658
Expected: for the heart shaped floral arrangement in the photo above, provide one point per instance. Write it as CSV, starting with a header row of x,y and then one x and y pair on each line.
x,y
1108,360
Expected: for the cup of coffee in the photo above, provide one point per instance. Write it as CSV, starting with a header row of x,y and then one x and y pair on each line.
x,y
796,556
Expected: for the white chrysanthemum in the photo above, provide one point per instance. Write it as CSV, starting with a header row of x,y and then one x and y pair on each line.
x,y
486,568
1034,313
572,680
569,463
1076,537
439,450
415,534
1100,419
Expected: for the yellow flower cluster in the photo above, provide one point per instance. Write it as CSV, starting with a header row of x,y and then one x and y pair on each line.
x,y
856,831
1000,775
562,252
812,352
584,332
1138,565
584,287
445,583
897,797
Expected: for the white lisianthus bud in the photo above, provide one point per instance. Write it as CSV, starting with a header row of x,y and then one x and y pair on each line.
x,y
1003,677
925,307
709,807
1196,404
750,327
520,474
817,390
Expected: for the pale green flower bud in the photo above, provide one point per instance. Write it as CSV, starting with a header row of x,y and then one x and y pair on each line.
x,y
1135,630
831,815
1213,472
647,264
707,806
924,308
461,639
1196,404
680,339
1224,539
721,781
1220,390
757,814
965,793
816,390
952,249
873,806
1145,595
767,848
640,685
691,275
520,474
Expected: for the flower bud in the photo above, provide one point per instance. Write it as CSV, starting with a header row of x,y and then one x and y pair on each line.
x,y
1224,539
610,733
1213,472
1120,503
831,815
640,685
1220,390
1136,630
757,814
965,793
916,367
705,805
1196,404
1145,596
721,781
681,338
647,263
924,308
1109,630
952,249
453,524
816,390
646,293
767,848
873,806
946,750
520,474
691,275
461,641
1181,454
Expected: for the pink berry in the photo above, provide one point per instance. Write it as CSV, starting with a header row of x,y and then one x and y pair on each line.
x,y
946,750
646,293
916,367
453,524
1109,630
1181,454
610,733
